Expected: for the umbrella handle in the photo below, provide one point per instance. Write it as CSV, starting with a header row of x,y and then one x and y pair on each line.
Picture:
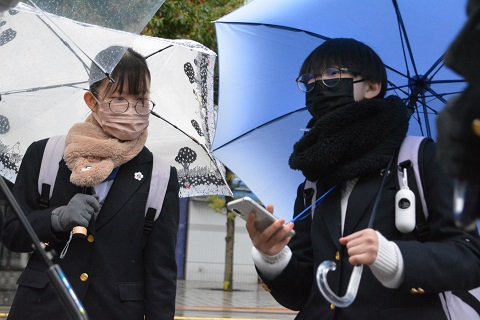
x,y
352,288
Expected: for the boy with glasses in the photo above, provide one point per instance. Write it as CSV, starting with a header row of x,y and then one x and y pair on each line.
x,y
352,137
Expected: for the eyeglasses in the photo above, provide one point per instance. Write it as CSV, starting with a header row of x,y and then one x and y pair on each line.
x,y
121,105
330,78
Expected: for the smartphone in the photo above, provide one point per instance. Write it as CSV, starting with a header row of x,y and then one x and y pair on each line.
x,y
244,206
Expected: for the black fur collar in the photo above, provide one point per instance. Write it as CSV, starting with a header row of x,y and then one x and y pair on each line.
x,y
350,142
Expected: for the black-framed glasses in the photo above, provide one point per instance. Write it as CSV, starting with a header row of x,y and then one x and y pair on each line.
x,y
330,78
121,105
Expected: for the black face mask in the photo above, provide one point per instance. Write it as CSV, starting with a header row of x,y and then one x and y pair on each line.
x,y
322,99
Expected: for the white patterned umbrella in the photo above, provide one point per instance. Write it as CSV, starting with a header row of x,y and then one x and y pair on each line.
x,y
47,59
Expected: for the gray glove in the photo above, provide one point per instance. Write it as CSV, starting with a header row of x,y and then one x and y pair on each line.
x,y
77,212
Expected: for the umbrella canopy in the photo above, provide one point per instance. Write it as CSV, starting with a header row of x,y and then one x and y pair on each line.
x,y
125,15
53,18
51,101
262,47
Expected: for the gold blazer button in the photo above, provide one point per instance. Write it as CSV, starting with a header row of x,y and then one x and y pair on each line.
x,y
476,127
265,287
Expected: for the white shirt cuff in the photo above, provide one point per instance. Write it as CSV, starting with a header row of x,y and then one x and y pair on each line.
x,y
388,267
271,266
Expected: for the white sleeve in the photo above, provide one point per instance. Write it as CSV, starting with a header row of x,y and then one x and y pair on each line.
x,y
388,267
271,266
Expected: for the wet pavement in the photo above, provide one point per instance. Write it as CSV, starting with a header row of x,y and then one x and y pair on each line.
x,y
206,300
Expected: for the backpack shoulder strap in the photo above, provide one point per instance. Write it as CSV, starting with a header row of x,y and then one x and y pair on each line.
x,y
158,184
409,150
156,194
412,150
52,155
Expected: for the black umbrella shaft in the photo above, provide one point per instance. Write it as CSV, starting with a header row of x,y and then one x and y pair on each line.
x,y
58,279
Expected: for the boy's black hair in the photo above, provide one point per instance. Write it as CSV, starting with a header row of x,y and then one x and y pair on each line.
x,y
132,70
349,53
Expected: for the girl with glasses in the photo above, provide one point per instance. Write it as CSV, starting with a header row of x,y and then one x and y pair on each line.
x,y
101,186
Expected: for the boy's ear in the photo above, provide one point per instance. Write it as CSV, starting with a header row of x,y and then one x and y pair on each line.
x,y
90,100
373,90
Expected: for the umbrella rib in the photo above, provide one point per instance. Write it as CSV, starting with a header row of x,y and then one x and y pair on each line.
x,y
276,26
396,71
64,42
438,69
444,94
419,121
436,95
260,126
424,104
72,84
68,45
393,86
186,134
425,115
439,60
447,81
154,53
404,32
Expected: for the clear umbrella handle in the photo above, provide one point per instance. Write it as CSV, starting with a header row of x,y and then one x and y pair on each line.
x,y
352,288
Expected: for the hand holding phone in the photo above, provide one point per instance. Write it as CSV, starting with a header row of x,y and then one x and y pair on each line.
x,y
244,206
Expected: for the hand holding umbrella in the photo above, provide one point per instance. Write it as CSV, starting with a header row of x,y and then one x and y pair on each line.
x,y
356,244
76,214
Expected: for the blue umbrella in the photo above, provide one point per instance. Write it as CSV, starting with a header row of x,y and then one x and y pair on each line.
x,y
262,46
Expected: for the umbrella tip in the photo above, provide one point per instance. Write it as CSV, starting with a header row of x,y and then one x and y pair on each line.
x,y
109,78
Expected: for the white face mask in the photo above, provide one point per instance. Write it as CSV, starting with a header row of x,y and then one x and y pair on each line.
x,y
123,126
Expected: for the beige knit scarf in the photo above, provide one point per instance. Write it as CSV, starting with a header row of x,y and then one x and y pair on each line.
x,y
92,155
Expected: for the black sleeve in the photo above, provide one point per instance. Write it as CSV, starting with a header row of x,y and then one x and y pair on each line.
x,y
25,191
446,260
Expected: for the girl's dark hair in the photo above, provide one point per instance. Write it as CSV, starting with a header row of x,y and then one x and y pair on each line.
x,y
349,53
132,70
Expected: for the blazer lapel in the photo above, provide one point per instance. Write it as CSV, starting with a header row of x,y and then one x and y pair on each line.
x,y
360,202
129,178
62,181
328,210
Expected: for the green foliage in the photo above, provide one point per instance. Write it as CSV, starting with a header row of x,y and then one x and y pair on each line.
x,y
226,286
191,19
230,176
231,215
216,203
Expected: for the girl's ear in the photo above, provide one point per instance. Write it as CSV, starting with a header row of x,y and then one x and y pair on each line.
x,y
90,100
373,90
